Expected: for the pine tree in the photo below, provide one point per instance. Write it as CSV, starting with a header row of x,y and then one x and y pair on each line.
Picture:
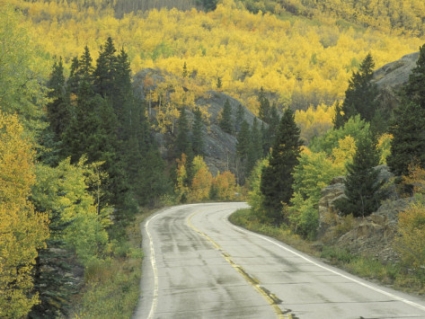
x,y
226,118
360,97
362,185
255,147
185,70
198,134
407,126
183,143
240,117
408,143
415,88
105,72
264,110
277,179
58,110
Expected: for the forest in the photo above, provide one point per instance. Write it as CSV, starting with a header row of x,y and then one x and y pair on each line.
x,y
79,150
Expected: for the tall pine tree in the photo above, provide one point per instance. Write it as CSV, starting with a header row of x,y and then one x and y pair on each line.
x,y
277,179
407,126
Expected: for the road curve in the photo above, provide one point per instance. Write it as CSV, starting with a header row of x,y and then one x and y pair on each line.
x,y
198,265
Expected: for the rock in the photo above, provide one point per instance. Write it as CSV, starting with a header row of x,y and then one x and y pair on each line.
x,y
395,74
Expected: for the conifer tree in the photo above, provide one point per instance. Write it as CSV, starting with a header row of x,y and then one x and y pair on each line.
x,y
362,185
277,179
360,97
240,117
198,134
58,110
226,118
255,147
105,71
415,88
264,110
408,143
407,126
183,143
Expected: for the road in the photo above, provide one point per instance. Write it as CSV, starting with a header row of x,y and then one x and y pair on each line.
x,y
198,265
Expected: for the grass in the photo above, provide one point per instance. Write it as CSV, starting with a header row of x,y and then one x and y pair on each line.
x,y
112,286
363,266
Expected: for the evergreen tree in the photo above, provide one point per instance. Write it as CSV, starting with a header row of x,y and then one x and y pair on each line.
x,y
360,97
277,179
407,126
240,117
264,110
243,150
255,147
58,110
198,134
408,143
184,70
105,72
226,118
415,88
183,144
362,185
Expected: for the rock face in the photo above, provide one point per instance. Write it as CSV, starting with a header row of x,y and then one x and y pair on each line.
x,y
372,235
395,74
219,147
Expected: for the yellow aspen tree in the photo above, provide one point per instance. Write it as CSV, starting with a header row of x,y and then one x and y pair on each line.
x,y
202,180
22,229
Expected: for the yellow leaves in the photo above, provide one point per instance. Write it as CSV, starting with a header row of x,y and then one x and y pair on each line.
x,y
22,230
344,153
201,182
221,44
224,186
411,240
315,120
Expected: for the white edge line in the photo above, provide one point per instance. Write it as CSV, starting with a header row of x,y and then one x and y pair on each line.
x,y
154,269
388,294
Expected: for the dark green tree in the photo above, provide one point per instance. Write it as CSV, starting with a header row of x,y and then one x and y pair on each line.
x,y
362,185
58,110
219,83
407,125
198,133
408,143
226,118
415,88
264,109
255,150
104,74
183,143
240,117
185,73
277,179
361,95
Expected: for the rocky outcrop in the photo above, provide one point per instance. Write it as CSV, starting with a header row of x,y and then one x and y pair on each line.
x,y
372,235
219,147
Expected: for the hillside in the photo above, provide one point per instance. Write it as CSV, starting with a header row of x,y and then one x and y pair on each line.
x,y
300,61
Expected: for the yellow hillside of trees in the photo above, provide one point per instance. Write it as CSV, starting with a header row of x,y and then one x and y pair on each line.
x,y
299,60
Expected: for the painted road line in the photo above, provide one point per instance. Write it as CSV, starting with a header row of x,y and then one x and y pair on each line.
x,y
383,292
271,298
154,269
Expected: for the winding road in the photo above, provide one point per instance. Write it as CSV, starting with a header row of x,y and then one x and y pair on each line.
x,y
198,265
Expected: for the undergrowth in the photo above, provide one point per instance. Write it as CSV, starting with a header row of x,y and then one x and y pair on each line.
x,y
363,266
112,286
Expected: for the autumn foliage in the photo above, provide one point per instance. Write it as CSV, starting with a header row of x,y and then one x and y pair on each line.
x,y
22,229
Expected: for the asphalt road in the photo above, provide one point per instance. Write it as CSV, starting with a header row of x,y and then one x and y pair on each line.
x,y
198,265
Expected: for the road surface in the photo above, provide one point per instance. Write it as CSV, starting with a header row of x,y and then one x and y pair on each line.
x,y
198,265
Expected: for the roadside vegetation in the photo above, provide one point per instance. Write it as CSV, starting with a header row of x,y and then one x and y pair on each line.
x,y
396,275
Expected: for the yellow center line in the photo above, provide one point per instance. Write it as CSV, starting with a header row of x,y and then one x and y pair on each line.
x,y
272,299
